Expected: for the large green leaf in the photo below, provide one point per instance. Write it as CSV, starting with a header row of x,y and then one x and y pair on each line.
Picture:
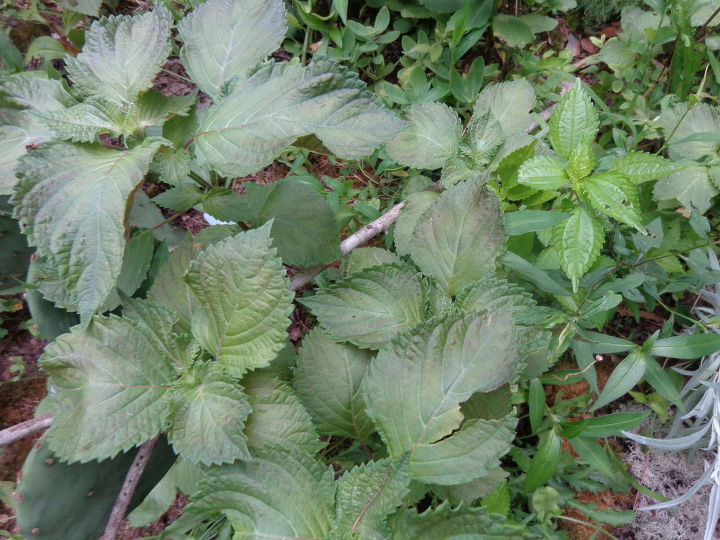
x,y
279,103
244,300
440,366
642,167
431,139
543,172
509,103
112,383
371,307
327,380
615,195
691,186
415,206
122,55
578,242
71,201
685,128
624,377
223,39
209,410
574,121
458,239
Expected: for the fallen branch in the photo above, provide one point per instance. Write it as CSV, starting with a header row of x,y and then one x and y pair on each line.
x,y
24,429
128,488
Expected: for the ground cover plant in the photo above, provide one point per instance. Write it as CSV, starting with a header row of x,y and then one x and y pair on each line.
x,y
461,257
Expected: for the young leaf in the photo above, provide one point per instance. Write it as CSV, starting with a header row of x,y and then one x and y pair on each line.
x,y
625,375
574,121
224,39
543,172
112,381
244,300
615,195
122,55
686,347
533,274
581,162
70,201
596,456
430,140
371,307
440,366
458,239
491,294
536,404
279,103
545,462
327,380
85,121
641,167
578,242
209,410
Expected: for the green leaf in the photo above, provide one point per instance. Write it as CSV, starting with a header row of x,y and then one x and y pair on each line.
x,y
440,366
512,30
691,186
209,410
533,274
578,242
446,523
596,456
545,462
543,172
525,221
615,195
536,404
179,198
371,307
415,206
362,258
327,380
581,162
509,104
623,378
686,347
491,294
122,55
243,298
681,124
71,202
642,167
86,7
574,121
539,23
45,47
458,239
85,121
367,494
223,39
660,380
266,113
599,427
112,380
431,139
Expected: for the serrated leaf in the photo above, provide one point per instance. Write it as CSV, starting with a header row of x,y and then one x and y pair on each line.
x,y
431,139
458,239
279,103
691,186
85,121
574,121
244,300
642,167
578,242
415,206
173,166
224,39
440,366
179,198
71,202
362,258
543,172
525,221
371,307
684,128
491,294
327,380
248,493
581,162
112,380
122,55
509,103
209,409
367,494
616,196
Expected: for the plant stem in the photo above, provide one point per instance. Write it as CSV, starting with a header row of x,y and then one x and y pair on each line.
x,y
23,429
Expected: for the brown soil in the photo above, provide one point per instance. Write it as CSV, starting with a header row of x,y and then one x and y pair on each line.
x,y
605,500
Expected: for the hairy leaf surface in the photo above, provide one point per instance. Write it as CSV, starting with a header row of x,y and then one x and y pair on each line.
x,y
543,172
578,242
574,121
615,195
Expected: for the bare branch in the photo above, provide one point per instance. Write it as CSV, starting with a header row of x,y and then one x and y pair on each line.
x,y
23,429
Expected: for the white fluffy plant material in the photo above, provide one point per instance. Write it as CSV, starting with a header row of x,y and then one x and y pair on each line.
x,y
699,427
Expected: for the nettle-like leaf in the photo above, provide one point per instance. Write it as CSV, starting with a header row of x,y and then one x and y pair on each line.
x,y
367,257
492,294
224,39
691,186
642,167
574,121
122,55
279,103
71,202
112,380
209,409
458,239
371,307
415,206
414,388
615,195
431,139
509,103
543,172
578,242
581,162
244,300
327,380
685,127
